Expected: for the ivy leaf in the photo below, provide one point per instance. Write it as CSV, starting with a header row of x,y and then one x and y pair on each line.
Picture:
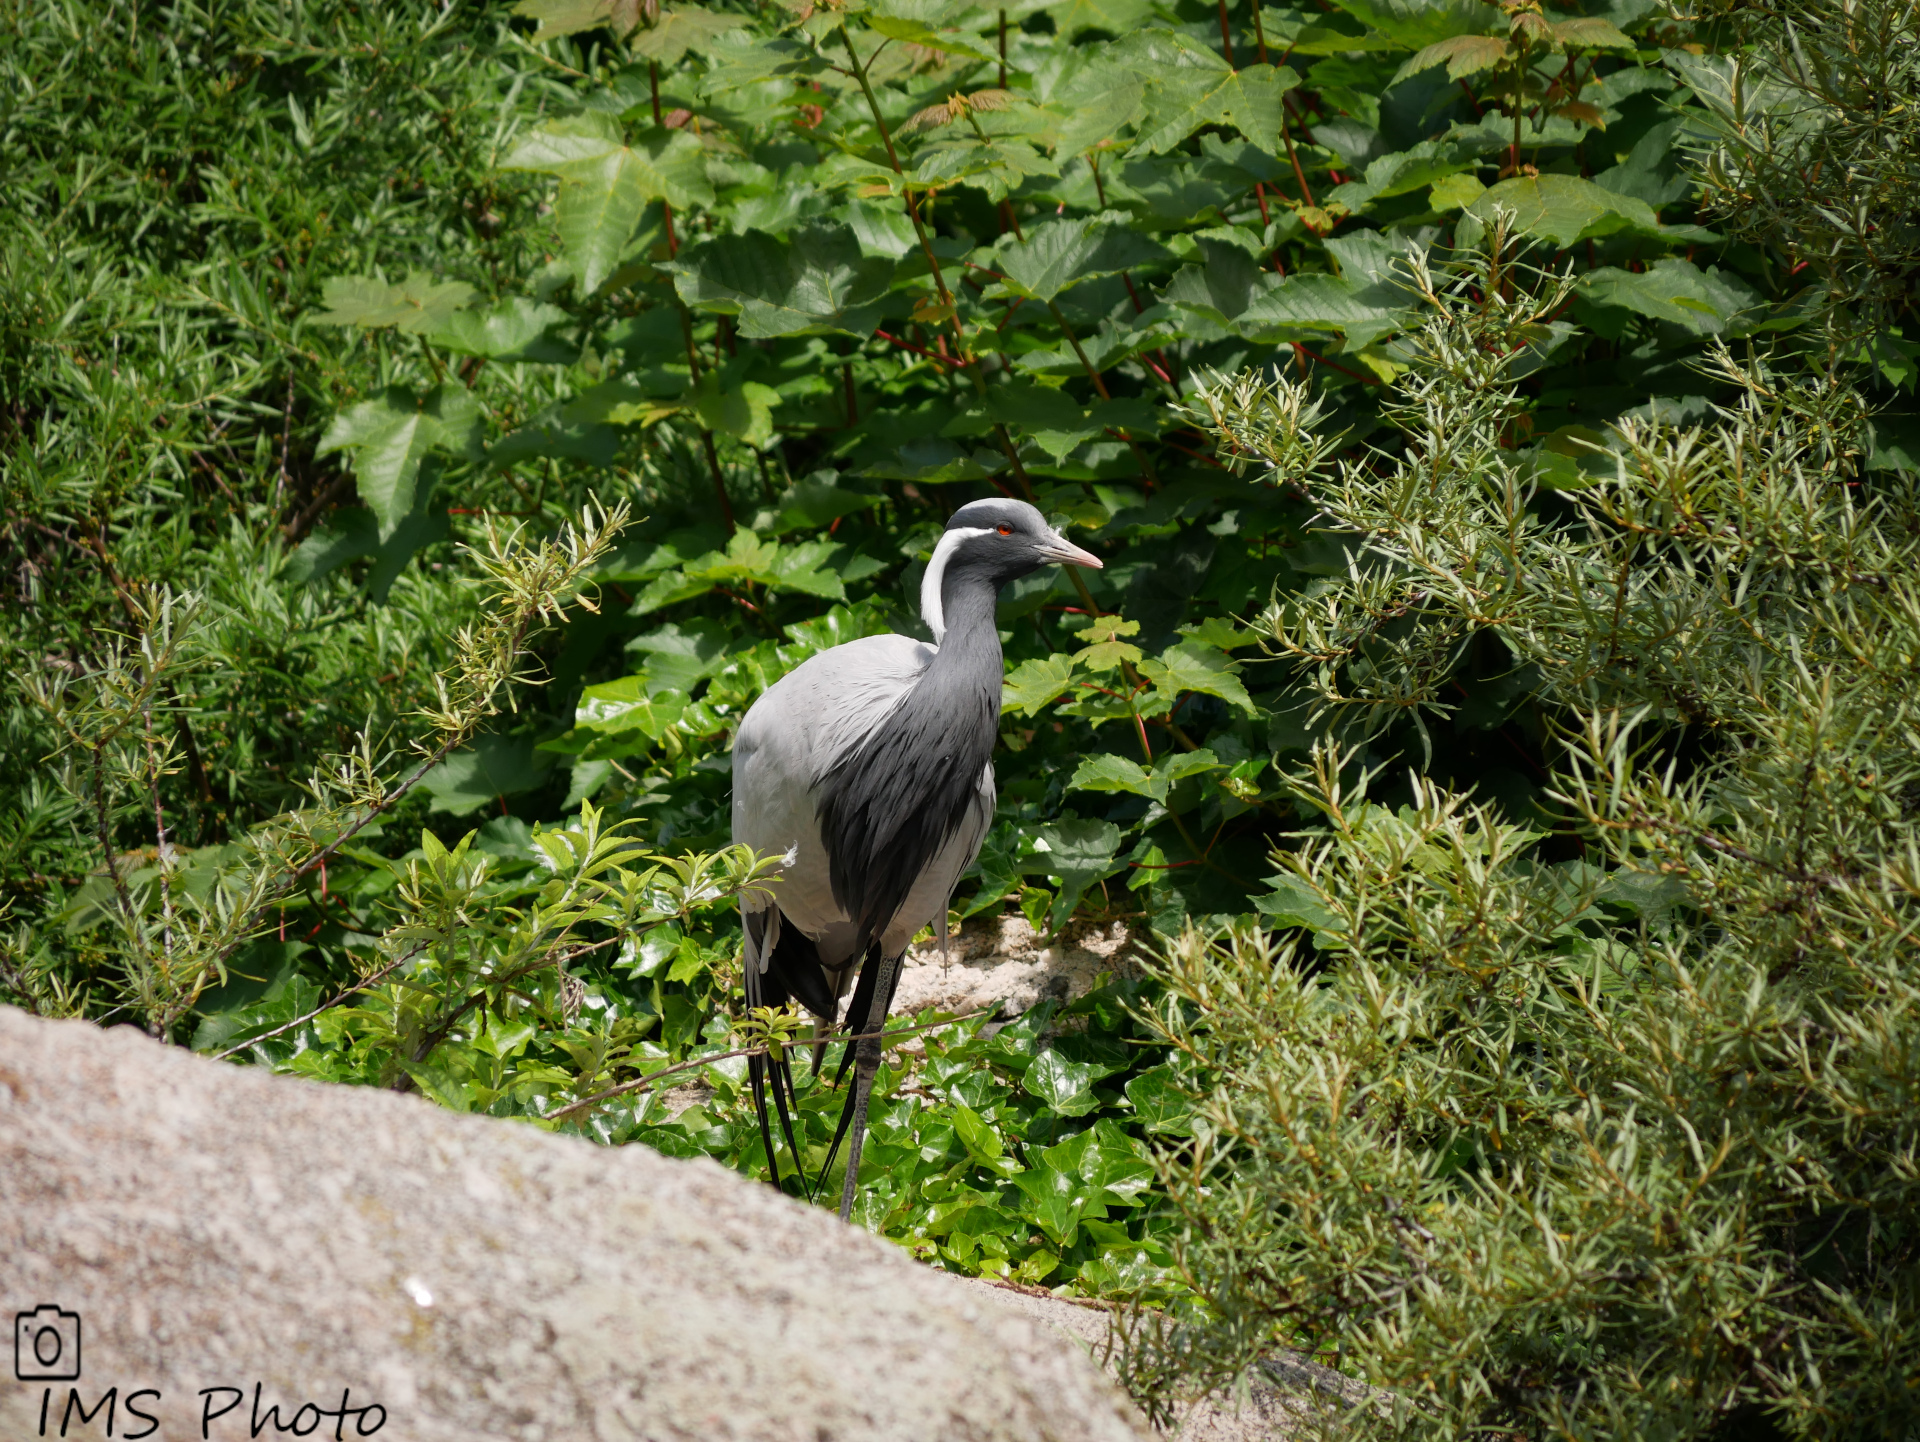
x,y
1056,1200
982,1142
1060,254
415,305
819,282
392,433
1159,1104
1032,684
1065,1086
1190,666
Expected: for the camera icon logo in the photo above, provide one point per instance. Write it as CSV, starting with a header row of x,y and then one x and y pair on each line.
x,y
46,1345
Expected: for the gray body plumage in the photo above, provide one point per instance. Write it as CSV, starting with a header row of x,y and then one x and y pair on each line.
x,y
807,722
868,770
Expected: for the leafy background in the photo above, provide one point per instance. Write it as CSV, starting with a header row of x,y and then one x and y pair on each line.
x,y
296,305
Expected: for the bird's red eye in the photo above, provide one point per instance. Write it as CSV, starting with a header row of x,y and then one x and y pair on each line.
x,y
1004,529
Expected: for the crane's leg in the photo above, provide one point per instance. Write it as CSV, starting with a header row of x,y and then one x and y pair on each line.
x,y
866,1064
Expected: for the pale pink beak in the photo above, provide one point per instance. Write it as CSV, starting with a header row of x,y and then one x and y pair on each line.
x,y
1061,551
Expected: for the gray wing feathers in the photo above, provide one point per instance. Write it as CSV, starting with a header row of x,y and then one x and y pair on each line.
x,y
928,900
787,741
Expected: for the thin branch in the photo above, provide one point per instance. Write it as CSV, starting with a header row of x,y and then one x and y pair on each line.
x,y
354,990
650,1078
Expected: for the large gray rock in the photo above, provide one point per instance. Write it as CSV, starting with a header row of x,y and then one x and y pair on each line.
x,y
217,1227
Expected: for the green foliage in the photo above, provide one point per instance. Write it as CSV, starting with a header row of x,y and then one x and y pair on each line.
x,y
302,313
1611,1137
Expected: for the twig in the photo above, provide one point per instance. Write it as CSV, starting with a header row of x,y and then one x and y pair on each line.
x,y
358,986
651,1077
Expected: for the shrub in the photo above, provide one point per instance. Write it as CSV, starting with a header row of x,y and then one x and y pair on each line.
x,y
1596,1119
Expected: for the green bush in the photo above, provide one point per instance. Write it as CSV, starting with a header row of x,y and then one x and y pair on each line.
x,y
1608,1132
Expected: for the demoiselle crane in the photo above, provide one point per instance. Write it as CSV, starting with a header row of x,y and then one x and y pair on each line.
x,y
869,769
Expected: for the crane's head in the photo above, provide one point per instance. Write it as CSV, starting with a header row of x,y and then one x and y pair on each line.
x,y
992,542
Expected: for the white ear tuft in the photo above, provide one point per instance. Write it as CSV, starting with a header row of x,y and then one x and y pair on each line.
x,y
931,610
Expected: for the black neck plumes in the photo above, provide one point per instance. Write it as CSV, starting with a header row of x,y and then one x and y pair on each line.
x,y
892,803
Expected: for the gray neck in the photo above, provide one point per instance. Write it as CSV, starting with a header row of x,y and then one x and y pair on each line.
x,y
970,649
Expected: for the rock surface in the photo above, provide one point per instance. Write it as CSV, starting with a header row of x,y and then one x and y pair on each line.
x,y
1281,1400
1002,964
215,1227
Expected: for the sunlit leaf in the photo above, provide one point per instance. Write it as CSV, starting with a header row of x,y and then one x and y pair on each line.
x,y
415,305
391,434
819,281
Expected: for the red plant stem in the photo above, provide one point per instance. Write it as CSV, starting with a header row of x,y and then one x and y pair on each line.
x,y
909,345
1260,194
719,482
1226,34
1260,34
853,413
1335,365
